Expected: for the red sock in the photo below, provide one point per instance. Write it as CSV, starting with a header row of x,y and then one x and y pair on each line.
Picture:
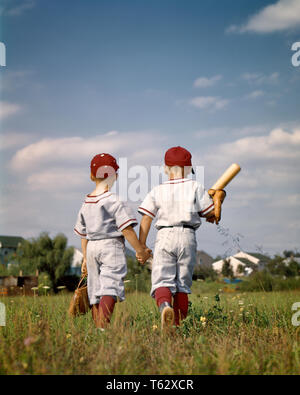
x,y
105,309
181,305
163,294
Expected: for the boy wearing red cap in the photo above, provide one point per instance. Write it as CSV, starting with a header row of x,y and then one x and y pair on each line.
x,y
178,205
102,223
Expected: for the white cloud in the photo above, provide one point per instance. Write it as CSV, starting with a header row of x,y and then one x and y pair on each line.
x,y
279,144
255,94
8,109
16,8
46,164
260,78
13,80
11,140
72,150
56,179
280,16
240,131
210,102
269,162
203,82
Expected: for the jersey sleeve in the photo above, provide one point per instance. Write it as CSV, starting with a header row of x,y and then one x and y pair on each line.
x,y
204,202
124,216
80,226
149,207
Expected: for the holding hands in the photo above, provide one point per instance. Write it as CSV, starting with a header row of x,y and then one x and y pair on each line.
x,y
143,255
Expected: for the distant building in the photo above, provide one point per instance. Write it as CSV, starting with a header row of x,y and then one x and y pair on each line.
x,y
8,245
248,262
287,261
203,259
203,266
17,285
75,268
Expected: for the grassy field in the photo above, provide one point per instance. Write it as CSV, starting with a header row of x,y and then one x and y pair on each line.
x,y
248,333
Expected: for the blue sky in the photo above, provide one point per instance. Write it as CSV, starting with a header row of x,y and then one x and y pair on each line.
x,y
213,76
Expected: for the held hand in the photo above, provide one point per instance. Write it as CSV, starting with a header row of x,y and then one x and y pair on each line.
x,y
83,267
143,255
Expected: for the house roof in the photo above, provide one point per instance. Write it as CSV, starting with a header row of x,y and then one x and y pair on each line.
x,y
261,257
246,262
204,259
10,241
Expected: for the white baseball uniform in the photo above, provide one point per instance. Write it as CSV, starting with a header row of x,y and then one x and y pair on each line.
x,y
101,220
177,205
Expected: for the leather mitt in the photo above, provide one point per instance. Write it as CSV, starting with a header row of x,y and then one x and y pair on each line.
x,y
218,197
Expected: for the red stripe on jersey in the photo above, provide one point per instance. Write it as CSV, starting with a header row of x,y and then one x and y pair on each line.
x,y
203,211
98,199
180,182
81,234
97,195
141,208
130,220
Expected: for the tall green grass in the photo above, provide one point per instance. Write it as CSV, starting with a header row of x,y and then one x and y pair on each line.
x,y
249,333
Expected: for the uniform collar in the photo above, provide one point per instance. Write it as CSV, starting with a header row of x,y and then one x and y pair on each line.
x,y
101,194
177,181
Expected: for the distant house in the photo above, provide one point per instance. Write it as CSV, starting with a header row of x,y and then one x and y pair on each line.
x,y
75,268
203,259
17,285
8,245
287,261
248,262
203,265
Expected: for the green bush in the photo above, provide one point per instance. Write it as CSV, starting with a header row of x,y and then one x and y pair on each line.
x,y
263,281
138,276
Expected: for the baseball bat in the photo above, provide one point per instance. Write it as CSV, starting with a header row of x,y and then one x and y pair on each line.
x,y
227,176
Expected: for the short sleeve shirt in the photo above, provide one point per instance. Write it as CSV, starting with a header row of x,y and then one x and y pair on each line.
x,y
103,216
177,202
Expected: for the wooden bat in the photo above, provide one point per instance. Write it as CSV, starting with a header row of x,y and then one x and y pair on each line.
x,y
226,177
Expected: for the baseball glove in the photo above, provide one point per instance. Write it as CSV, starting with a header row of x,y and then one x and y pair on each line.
x,y
218,197
80,301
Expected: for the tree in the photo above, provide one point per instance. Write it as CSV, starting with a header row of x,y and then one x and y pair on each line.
x,y
51,256
279,267
291,253
227,269
204,272
241,269
138,276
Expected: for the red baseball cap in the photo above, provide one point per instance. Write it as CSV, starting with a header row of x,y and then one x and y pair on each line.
x,y
178,156
103,165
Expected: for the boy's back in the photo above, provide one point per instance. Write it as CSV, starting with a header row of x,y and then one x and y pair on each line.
x,y
178,205
177,202
103,216
103,223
